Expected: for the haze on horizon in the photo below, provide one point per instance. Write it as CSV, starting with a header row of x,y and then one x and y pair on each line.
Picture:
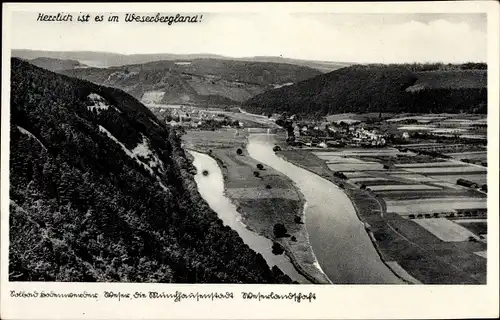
x,y
361,38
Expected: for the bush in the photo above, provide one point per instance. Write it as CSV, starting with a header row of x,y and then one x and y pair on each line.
x,y
297,219
340,175
411,216
472,239
260,166
239,151
276,148
268,186
277,248
279,230
256,174
293,238
363,187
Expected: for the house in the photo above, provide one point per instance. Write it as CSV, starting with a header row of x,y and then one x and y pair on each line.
x,y
296,130
405,135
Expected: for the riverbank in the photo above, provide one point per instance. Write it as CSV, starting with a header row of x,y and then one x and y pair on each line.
x,y
364,204
263,197
407,249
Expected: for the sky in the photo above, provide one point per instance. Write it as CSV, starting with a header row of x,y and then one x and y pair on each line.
x,y
363,38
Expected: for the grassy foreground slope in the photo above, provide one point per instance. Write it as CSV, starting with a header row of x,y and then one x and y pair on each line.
x,y
100,190
380,88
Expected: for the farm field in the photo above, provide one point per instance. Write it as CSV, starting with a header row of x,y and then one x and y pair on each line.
x,y
413,177
348,152
429,194
368,179
467,155
447,170
477,226
448,185
410,187
378,182
481,254
429,164
353,117
445,148
350,175
206,140
417,127
355,166
337,159
445,229
408,196
476,178
424,205
413,249
422,119
477,157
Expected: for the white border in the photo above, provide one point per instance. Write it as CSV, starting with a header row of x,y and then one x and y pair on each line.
x,y
335,301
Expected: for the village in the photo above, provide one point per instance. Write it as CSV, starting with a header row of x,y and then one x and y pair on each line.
x,y
193,118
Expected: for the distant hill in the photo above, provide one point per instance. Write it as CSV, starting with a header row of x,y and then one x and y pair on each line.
x,y
107,59
56,64
197,81
324,66
101,190
381,88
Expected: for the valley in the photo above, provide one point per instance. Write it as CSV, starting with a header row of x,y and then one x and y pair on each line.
x,y
355,196
408,199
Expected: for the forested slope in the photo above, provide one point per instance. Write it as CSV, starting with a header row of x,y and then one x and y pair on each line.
x,y
382,88
100,190
197,81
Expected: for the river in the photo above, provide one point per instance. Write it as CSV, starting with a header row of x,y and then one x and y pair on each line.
x,y
211,188
338,238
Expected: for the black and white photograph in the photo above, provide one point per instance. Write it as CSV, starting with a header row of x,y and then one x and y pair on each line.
x,y
249,147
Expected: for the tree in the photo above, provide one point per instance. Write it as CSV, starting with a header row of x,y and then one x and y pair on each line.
x,y
279,230
278,248
260,166
297,219
256,174
239,151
